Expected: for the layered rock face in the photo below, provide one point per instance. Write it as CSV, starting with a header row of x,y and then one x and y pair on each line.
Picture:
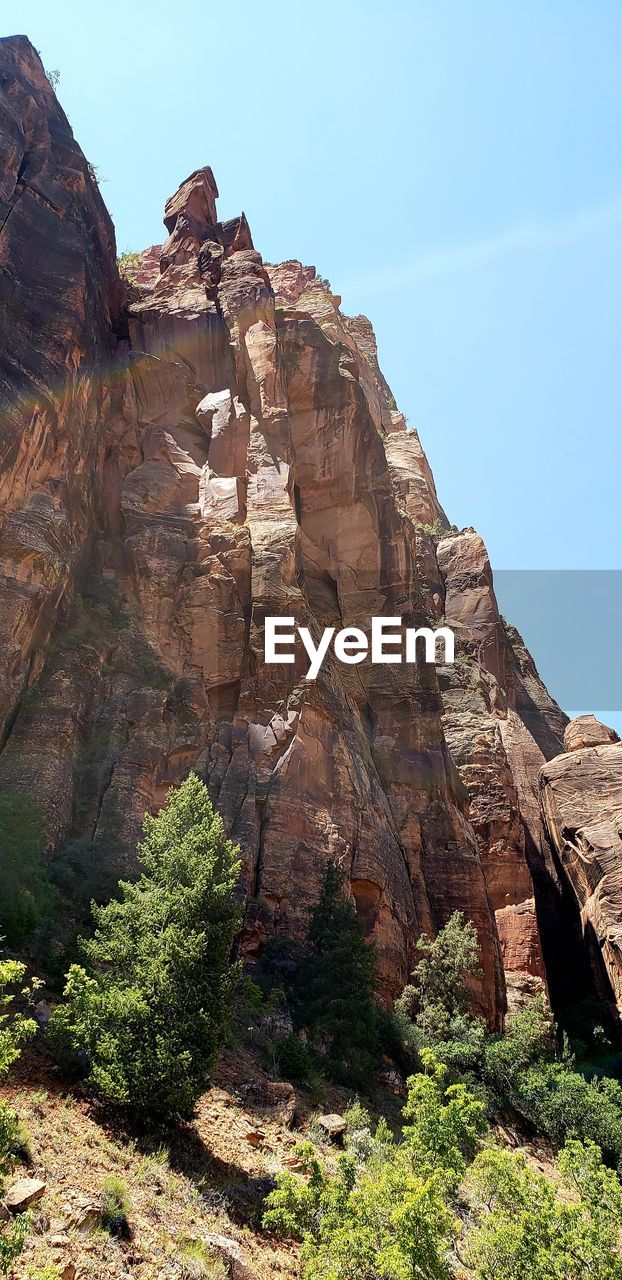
x,y
183,455
60,300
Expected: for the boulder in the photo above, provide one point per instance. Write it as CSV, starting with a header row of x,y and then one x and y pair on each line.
x,y
333,1125
82,1213
233,1256
22,1194
587,731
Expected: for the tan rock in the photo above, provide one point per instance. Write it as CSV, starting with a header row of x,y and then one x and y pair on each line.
x,y
333,1125
232,1254
21,1195
82,1213
587,731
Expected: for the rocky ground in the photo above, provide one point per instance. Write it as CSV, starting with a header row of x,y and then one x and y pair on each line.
x,y
194,1191
202,1182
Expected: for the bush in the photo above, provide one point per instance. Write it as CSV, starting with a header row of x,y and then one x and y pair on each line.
x,y
24,888
561,1103
529,1037
115,1206
432,1204
148,1012
15,1029
127,266
524,1226
386,1211
293,1058
12,1237
335,984
522,1070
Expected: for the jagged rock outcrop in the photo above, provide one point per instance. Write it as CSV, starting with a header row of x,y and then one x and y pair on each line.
x,y
499,750
209,442
587,731
582,806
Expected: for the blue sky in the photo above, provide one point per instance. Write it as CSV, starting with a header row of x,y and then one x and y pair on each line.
x,y
454,168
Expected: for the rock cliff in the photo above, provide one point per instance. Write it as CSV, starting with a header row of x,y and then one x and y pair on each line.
x,y
582,808
184,452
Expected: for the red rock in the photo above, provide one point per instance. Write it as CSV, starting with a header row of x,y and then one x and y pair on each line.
x,y
582,802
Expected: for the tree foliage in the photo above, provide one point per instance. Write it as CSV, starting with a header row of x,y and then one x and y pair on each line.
x,y
436,1009
148,1009
386,1213
335,984
523,1225
414,1208
15,1030
523,1070
24,887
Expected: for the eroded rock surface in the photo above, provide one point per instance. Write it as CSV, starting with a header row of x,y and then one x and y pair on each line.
x,y
582,805
587,731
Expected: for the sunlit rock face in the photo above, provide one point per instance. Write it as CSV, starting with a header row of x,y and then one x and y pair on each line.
x,y
182,453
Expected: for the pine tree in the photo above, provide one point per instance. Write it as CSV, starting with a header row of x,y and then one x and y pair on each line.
x,y
148,1010
24,888
336,983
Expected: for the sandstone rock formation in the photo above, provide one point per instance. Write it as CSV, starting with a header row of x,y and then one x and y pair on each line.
x,y
582,806
183,453
587,731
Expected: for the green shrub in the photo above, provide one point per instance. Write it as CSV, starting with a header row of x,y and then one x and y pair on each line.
x,y
12,1237
149,1010
525,1226
115,1205
127,265
529,1038
432,1204
15,1030
523,1071
385,1213
561,1103
293,1058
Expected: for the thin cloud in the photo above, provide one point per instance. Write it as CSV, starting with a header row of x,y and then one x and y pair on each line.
x,y
527,237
